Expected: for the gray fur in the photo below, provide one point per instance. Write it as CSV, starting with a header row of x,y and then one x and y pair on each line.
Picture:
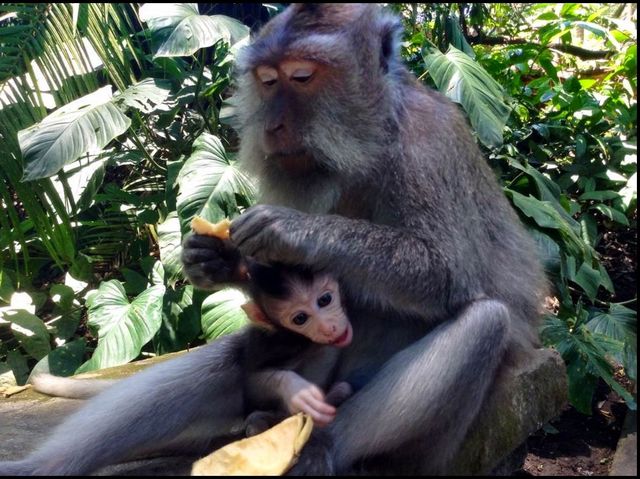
x,y
442,281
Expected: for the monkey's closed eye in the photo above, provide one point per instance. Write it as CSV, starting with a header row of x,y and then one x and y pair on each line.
x,y
324,300
301,77
300,318
267,75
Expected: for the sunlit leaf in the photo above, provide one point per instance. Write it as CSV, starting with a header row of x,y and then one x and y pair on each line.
x,y
123,327
180,30
464,81
29,330
221,313
145,95
83,126
209,182
169,240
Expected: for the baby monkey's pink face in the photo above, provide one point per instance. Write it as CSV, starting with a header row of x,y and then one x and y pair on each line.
x,y
313,310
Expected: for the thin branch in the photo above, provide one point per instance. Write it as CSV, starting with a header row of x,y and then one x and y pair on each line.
x,y
561,47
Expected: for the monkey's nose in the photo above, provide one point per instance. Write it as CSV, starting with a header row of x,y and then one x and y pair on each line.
x,y
329,330
275,127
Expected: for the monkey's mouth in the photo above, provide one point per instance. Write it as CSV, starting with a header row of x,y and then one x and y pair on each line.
x,y
296,163
344,339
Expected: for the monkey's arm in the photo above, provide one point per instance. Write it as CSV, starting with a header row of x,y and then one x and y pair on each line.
x,y
292,391
361,253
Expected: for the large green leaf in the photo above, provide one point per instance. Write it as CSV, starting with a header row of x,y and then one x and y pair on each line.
x,y
546,216
123,327
78,182
209,183
145,95
584,354
619,323
222,314
67,311
169,240
63,360
180,321
180,30
29,330
82,126
464,81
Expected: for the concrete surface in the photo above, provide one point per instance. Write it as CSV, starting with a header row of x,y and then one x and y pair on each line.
x,y
529,397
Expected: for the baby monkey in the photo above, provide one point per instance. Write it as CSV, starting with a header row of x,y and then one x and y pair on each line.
x,y
293,299
285,299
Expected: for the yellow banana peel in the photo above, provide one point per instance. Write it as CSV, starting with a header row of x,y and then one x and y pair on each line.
x,y
271,453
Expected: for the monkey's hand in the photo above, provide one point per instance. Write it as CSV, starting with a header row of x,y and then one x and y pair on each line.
x,y
271,233
210,262
299,395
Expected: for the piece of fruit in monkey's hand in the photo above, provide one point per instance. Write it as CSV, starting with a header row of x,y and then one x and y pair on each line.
x,y
271,453
203,227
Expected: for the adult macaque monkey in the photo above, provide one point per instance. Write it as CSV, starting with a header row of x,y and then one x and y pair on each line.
x,y
368,174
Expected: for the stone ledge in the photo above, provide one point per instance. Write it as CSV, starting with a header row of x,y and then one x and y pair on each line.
x,y
533,395
625,460
530,396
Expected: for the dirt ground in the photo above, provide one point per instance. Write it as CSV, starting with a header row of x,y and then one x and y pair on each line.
x,y
582,445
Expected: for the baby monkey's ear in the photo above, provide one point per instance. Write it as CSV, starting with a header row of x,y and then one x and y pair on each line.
x,y
257,315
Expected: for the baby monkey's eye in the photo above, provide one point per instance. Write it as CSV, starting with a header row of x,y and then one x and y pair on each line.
x,y
324,300
300,318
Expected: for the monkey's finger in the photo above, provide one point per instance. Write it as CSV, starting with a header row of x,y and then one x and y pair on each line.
x,y
319,418
320,406
199,255
250,224
198,248
193,240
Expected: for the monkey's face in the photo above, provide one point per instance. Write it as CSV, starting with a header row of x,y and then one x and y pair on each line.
x,y
313,310
287,90
310,91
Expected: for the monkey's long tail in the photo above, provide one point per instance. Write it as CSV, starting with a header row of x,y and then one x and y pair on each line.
x,y
69,387
177,405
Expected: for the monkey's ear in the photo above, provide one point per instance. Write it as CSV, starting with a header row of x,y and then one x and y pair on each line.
x,y
390,30
256,314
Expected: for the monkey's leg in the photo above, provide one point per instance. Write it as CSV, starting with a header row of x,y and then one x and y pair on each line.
x,y
432,389
181,403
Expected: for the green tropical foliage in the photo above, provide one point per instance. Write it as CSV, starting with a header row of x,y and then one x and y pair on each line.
x,y
113,136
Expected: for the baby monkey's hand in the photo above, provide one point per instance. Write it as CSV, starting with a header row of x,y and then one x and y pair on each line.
x,y
299,395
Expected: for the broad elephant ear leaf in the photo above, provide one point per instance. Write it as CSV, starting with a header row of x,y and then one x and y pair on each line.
x,y
123,327
222,314
145,95
209,183
179,30
169,240
464,81
82,126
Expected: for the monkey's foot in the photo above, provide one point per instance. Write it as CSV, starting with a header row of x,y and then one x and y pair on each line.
x,y
339,393
316,458
259,421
